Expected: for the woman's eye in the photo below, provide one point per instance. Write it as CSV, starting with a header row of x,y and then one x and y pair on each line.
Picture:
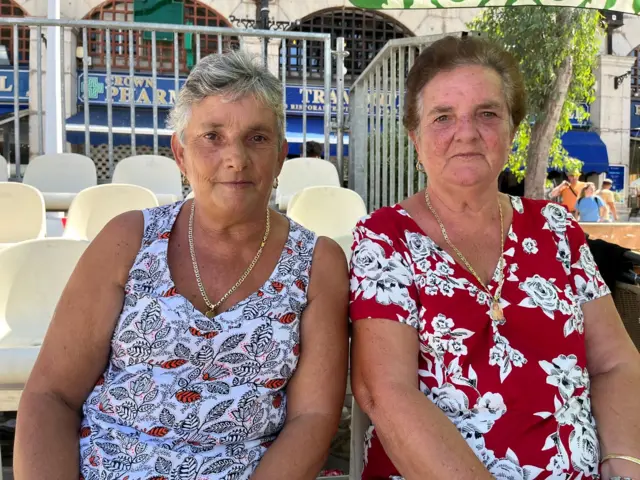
x,y
259,138
489,114
442,118
211,136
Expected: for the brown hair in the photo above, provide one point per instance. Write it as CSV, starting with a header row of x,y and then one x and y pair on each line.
x,y
451,52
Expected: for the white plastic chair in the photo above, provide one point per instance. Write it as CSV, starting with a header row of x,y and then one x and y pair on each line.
x,y
22,213
345,242
60,177
328,211
159,174
94,207
299,173
32,277
4,169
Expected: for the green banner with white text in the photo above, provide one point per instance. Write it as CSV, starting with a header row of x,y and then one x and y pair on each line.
x,y
626,6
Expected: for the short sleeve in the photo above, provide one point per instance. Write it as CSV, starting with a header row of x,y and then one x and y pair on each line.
x,y
381,284
584,275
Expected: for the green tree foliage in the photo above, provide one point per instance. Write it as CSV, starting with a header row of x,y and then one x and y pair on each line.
x,y
548,42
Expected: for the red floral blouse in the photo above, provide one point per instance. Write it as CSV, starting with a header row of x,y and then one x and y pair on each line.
x,y
517,392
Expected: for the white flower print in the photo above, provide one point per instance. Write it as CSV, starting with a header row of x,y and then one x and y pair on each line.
x,y
385,279
585,290
367,258
509,468
556,217
586,261
362,232
368,436
444,269
456,347
483,298
564,373
585,449
442,324
516,202
505,356
530,246
540,293
421,248
563,255
445,338
557,465
512,235
574,412
450,400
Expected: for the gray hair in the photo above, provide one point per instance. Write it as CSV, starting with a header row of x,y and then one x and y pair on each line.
x,y
235,74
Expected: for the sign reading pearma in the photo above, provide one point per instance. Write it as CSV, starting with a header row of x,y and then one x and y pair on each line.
x,y
627,6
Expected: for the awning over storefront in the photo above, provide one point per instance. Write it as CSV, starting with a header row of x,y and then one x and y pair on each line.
x,y
315,133
121,127
587,147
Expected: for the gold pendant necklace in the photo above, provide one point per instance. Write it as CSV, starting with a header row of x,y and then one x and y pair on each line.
x,y
211,312
496,313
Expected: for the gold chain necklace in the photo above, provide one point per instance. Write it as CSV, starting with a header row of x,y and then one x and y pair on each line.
x,y
497,315
213,306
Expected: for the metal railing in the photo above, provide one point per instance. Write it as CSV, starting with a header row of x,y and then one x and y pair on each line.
x,y
382,158
79,31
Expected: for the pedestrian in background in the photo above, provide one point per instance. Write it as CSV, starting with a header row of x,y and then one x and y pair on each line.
x,y
609,199
569,190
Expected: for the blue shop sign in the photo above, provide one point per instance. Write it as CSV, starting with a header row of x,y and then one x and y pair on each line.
x,y
616,174
7,85
573,119
121,90
635,114
166,93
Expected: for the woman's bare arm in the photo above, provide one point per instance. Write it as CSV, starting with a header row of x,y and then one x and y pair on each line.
x,y
614,366
74,354
420,440
315,394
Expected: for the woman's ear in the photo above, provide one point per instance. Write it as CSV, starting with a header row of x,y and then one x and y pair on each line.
x,y
414,139
178,153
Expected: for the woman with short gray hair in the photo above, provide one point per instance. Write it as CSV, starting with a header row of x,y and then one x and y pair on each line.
x,y
205,339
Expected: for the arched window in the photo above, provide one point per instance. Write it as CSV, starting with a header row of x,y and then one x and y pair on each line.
x,y
195,13
8,8
365,33
635,73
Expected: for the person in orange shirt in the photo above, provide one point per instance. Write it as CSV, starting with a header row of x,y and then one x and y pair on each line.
x,y
569,190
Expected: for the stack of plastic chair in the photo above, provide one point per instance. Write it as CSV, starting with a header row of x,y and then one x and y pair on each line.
x,y
299,173
94,207
32,277
22,214
159,174
328,211
60,177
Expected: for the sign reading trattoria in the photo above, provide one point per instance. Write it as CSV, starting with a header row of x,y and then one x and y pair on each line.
x,y
627,6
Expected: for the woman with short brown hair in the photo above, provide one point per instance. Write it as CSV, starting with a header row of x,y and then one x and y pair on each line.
x,y
485,342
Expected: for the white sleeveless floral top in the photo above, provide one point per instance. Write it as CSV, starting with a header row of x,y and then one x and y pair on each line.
x,y
185,397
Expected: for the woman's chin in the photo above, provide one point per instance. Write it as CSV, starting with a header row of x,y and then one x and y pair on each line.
x,y
470,177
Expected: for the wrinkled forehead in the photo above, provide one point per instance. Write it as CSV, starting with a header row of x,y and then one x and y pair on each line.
x,y
232,112
468,86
